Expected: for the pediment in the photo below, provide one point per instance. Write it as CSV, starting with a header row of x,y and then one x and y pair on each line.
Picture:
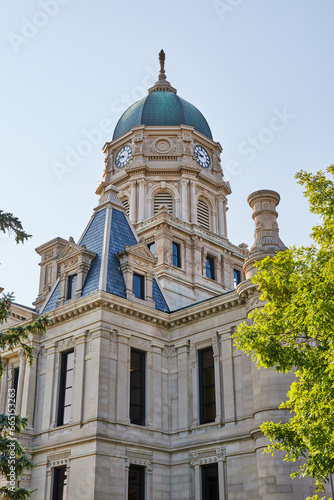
x,y
138,251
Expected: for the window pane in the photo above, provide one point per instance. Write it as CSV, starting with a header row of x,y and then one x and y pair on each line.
x,y
59,483
138,285
207,386
67,415
210,484
176,254
137,387
136,483
65,388
237,277
71,286
210,267
151,247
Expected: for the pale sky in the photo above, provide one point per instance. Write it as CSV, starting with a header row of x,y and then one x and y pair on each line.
x,y
261,72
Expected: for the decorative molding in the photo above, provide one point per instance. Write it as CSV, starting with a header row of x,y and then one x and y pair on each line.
x,y
207,456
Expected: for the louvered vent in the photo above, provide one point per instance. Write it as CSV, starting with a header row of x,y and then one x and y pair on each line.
x,y
163,199
126,205
203,214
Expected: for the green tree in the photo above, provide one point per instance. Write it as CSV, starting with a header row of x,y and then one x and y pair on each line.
x,y
295,331
14,459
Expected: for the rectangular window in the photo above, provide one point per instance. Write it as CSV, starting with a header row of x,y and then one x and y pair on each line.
x,y
137,387
210,485
138,285
176,254
71,285
237,277
59,483
151,247
136,482
65,388
210,267
207,397
16,380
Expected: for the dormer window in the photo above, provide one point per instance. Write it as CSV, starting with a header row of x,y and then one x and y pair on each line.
x,y
138,286
72,281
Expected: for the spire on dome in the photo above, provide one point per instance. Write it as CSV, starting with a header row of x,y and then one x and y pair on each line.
x,y
162,85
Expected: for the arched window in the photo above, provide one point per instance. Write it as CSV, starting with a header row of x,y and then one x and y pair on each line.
x,y
126,205
163,198
203,214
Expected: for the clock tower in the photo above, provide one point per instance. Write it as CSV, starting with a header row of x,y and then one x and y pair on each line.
x,y
166,166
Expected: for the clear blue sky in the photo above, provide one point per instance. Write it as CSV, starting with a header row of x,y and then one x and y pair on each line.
x,y
261,71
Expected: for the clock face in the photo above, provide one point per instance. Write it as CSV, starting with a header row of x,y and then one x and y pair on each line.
x,y
202,156
123,156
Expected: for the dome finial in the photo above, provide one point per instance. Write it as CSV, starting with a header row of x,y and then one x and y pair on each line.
x,y
162,58
162,85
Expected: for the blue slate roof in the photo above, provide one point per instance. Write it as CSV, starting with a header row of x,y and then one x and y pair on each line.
x,y
121,234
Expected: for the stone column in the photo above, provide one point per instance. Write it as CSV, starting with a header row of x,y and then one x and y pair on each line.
x,y
218,388
141,203
49,408
126,486
193,204
195,387
183,389
198,485
133,202
184,199
228,409
225,222
214,221
28,399
221,218
156,386
123,379
4,387
20,382
149,483
221,479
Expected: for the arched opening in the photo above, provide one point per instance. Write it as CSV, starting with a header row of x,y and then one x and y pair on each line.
x,y
163,198
203,214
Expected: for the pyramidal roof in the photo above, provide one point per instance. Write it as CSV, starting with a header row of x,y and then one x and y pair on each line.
x,y
107,233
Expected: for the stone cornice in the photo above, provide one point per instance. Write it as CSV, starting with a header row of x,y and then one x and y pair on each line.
x,y
125,307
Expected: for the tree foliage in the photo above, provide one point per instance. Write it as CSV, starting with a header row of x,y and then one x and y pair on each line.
x,y
295,331
13,457
11,224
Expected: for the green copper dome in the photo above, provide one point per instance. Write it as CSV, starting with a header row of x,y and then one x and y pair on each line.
x,y
164,109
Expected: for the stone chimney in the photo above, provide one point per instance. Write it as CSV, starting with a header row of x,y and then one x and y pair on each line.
x,y
267,241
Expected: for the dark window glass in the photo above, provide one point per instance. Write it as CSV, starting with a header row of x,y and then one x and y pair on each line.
x,y
210,267
237,277
65,388
210,486
138,284
136,482
16,380
176,254
151,247
71,286
137,387
207,386
59,483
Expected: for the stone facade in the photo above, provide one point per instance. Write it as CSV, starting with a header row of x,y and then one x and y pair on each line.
x,y
182,313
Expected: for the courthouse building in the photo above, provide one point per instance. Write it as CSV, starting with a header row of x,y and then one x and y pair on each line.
x,y
137,391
